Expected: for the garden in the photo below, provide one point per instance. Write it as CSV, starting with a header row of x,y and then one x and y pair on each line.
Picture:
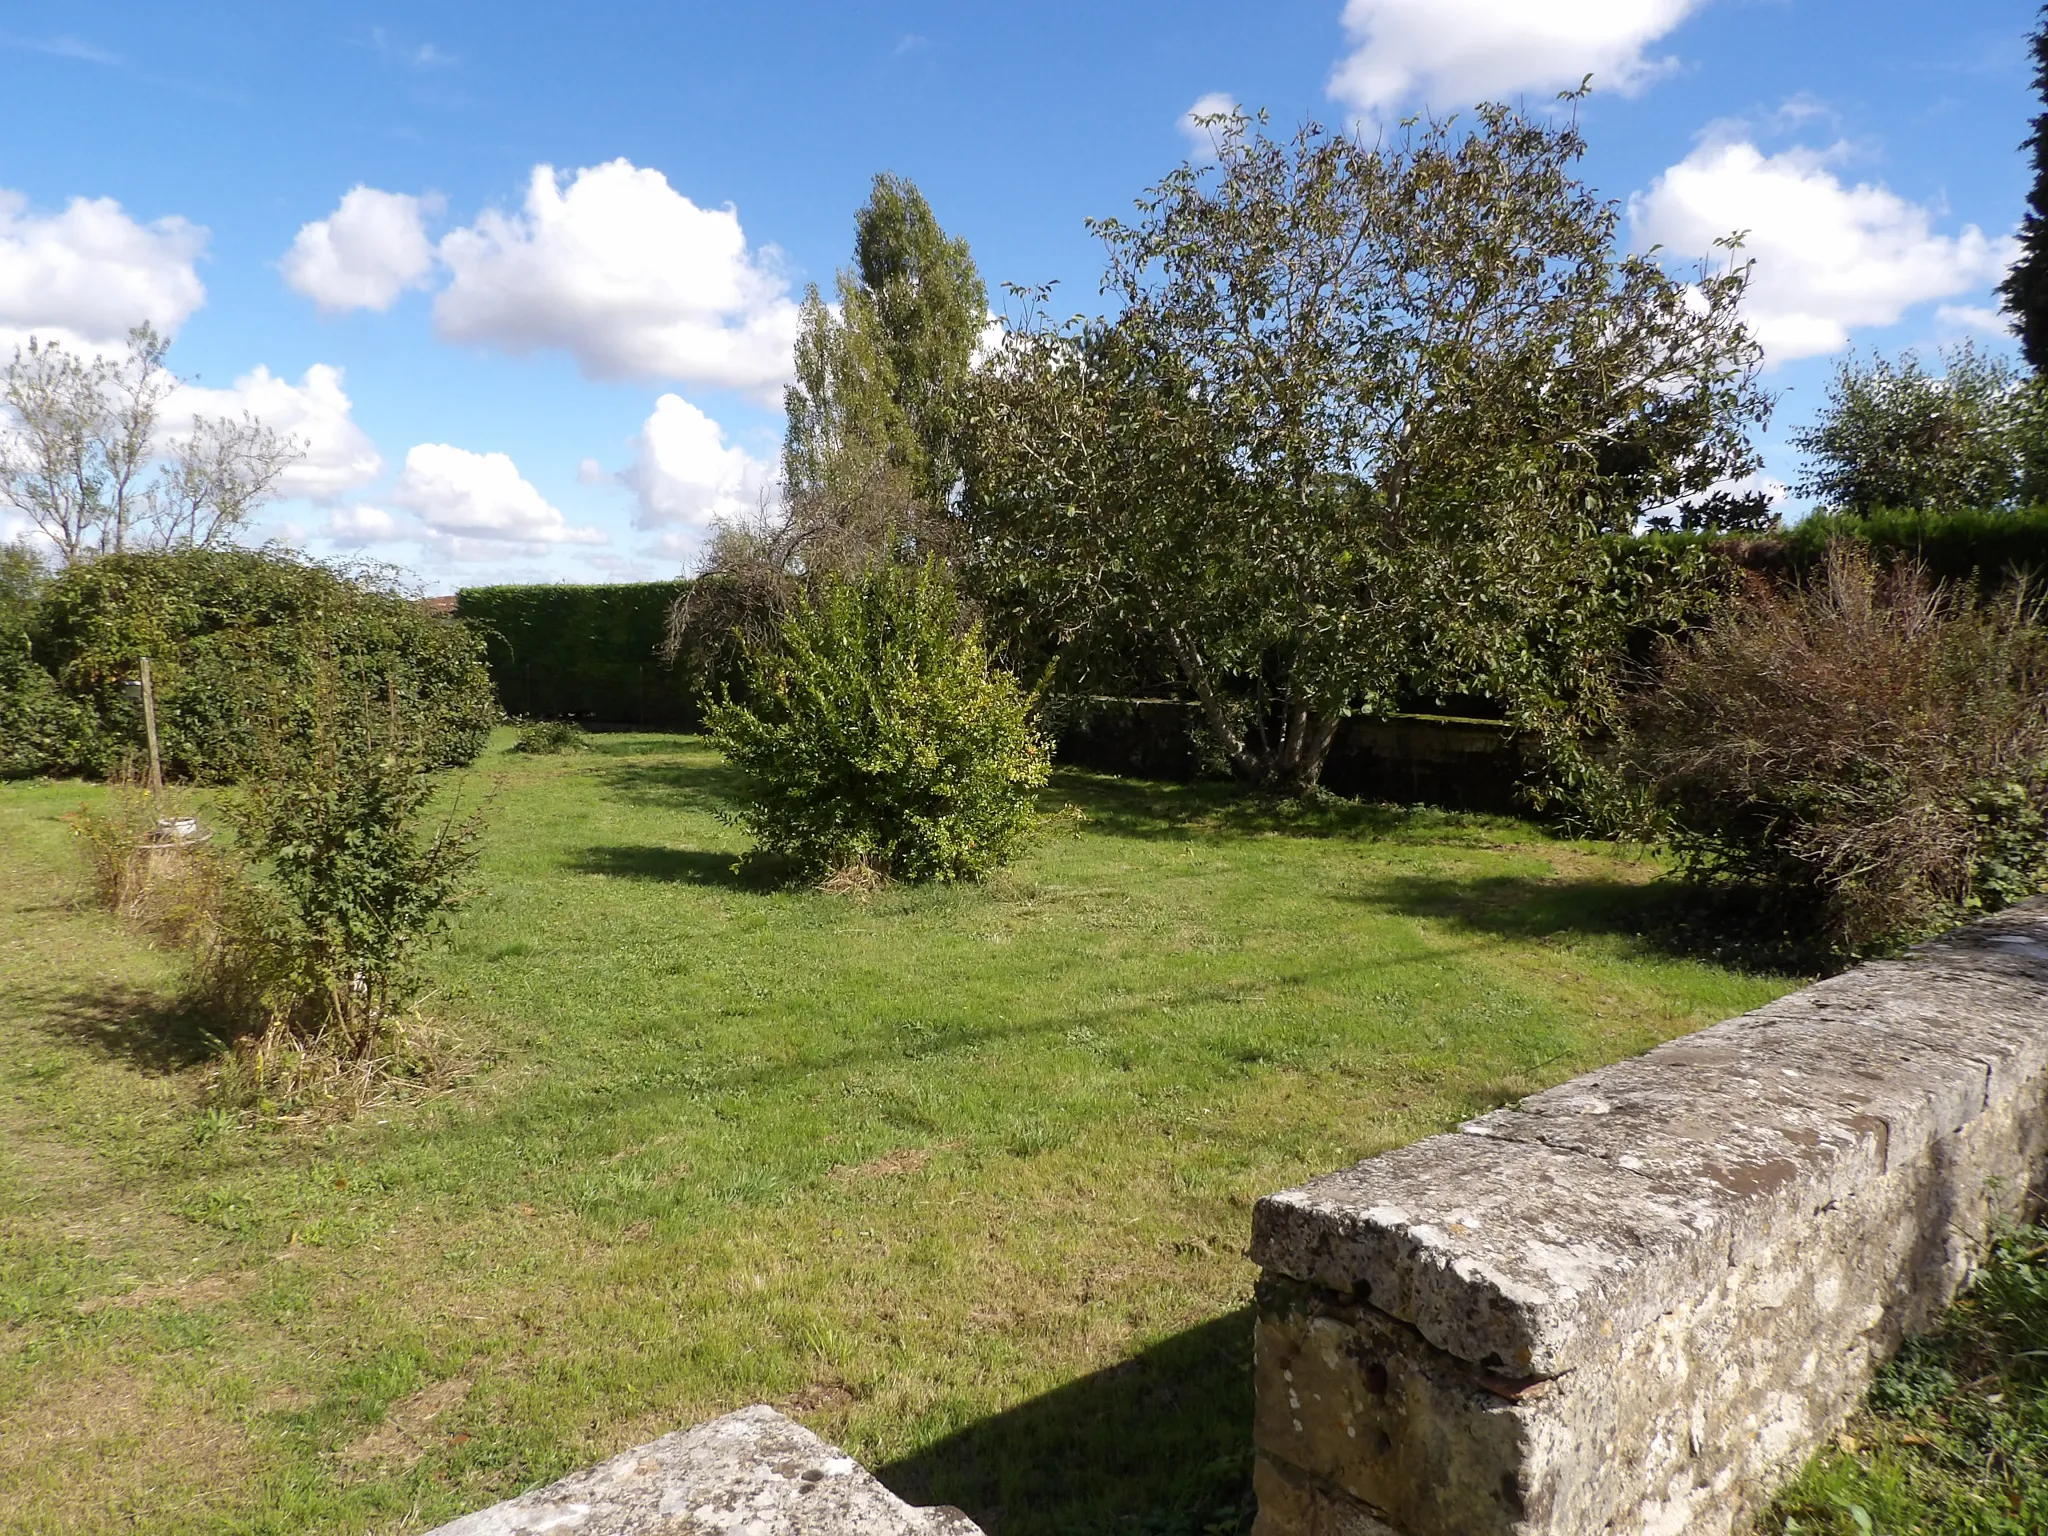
x,y
960,1176
406,1105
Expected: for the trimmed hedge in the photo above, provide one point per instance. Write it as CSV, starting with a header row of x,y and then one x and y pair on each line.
x,y
1984,545
592,652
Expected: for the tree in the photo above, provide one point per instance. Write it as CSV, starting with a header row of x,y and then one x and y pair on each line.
x,y
2025,288
877,383
869,461
1894,435
1356,427
76,457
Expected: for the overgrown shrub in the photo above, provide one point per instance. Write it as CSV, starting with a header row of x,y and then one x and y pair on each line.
x,y
303,936
1864,756
358,870
231,634
877,741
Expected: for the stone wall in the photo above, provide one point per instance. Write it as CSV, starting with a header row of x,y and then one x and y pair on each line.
x,y
751,1473
1638,1302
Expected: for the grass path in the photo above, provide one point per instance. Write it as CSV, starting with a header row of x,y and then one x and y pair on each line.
x,y
960,1178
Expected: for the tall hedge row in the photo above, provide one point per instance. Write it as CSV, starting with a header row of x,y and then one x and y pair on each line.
x,y
1984,546
587,651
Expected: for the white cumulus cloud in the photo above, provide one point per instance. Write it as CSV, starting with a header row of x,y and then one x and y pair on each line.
x,y
686,474
625,273
338,454
1829,257
1451,53
83,277
366,253
362,524
469,499
1201,136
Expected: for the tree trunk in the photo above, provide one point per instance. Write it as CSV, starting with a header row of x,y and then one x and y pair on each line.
x,y
1291,765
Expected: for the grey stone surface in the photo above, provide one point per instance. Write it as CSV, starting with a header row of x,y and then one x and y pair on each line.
x,y
751,1473
1636,1301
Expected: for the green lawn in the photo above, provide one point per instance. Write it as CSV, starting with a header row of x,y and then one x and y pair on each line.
x,y
961,1178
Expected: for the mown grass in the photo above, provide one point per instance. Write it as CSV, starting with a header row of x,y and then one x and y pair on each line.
x,y
1954,1438
961,1178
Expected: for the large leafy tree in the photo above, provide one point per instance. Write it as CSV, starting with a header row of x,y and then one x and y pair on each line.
x,y
1893,434
2026,286
877,383
1355,426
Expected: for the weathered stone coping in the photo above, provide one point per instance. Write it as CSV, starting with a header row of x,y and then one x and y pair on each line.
x,y
1652,1290
751,1473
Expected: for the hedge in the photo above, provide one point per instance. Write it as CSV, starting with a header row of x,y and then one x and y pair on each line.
x,y
232,635
1970,544
588,652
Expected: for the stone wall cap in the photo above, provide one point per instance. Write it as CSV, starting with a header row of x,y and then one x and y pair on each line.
x,y
751,1473
1526,1240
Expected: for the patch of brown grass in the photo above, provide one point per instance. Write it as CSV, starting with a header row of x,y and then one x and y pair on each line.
x,y
407,1432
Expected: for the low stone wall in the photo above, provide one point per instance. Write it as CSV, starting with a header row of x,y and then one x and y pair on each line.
x,y
751,1473
1637,1303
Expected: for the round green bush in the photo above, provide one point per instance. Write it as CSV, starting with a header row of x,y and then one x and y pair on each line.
x,y
877,740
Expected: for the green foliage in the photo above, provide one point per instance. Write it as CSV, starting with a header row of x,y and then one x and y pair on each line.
x,y
1893,435
2025,288
40,728
547,738
878,738
1355,433
1988,547
231,635
1862,758
879,383
590,651
335,814
1954,1439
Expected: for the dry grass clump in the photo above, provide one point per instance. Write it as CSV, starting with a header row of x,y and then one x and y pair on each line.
x,y
1863,758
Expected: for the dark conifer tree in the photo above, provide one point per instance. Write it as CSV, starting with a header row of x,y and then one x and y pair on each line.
x,y
2025,288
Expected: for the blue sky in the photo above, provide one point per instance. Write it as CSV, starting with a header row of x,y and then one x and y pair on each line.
x,y
544,339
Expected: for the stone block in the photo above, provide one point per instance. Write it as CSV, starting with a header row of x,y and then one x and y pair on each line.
x,y
751,1473
1635,1303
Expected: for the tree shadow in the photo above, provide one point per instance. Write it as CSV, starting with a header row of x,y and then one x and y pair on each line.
x,y
1151,808
705,784
139,1028
683,866
1157,1445
1667,917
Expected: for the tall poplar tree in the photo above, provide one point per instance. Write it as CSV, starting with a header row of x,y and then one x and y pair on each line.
x,y
877,383
2026,286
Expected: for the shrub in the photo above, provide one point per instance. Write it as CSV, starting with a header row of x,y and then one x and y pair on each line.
x,y
303,938
356,873
545,738
230,633
1864,755
877,741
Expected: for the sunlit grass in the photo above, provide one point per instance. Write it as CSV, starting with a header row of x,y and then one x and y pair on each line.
x,y
961,1177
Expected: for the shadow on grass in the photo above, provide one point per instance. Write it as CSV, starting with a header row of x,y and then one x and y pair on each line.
x,y
682,866
699,780
1147,808
1158,1445
140,1028
1665,917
